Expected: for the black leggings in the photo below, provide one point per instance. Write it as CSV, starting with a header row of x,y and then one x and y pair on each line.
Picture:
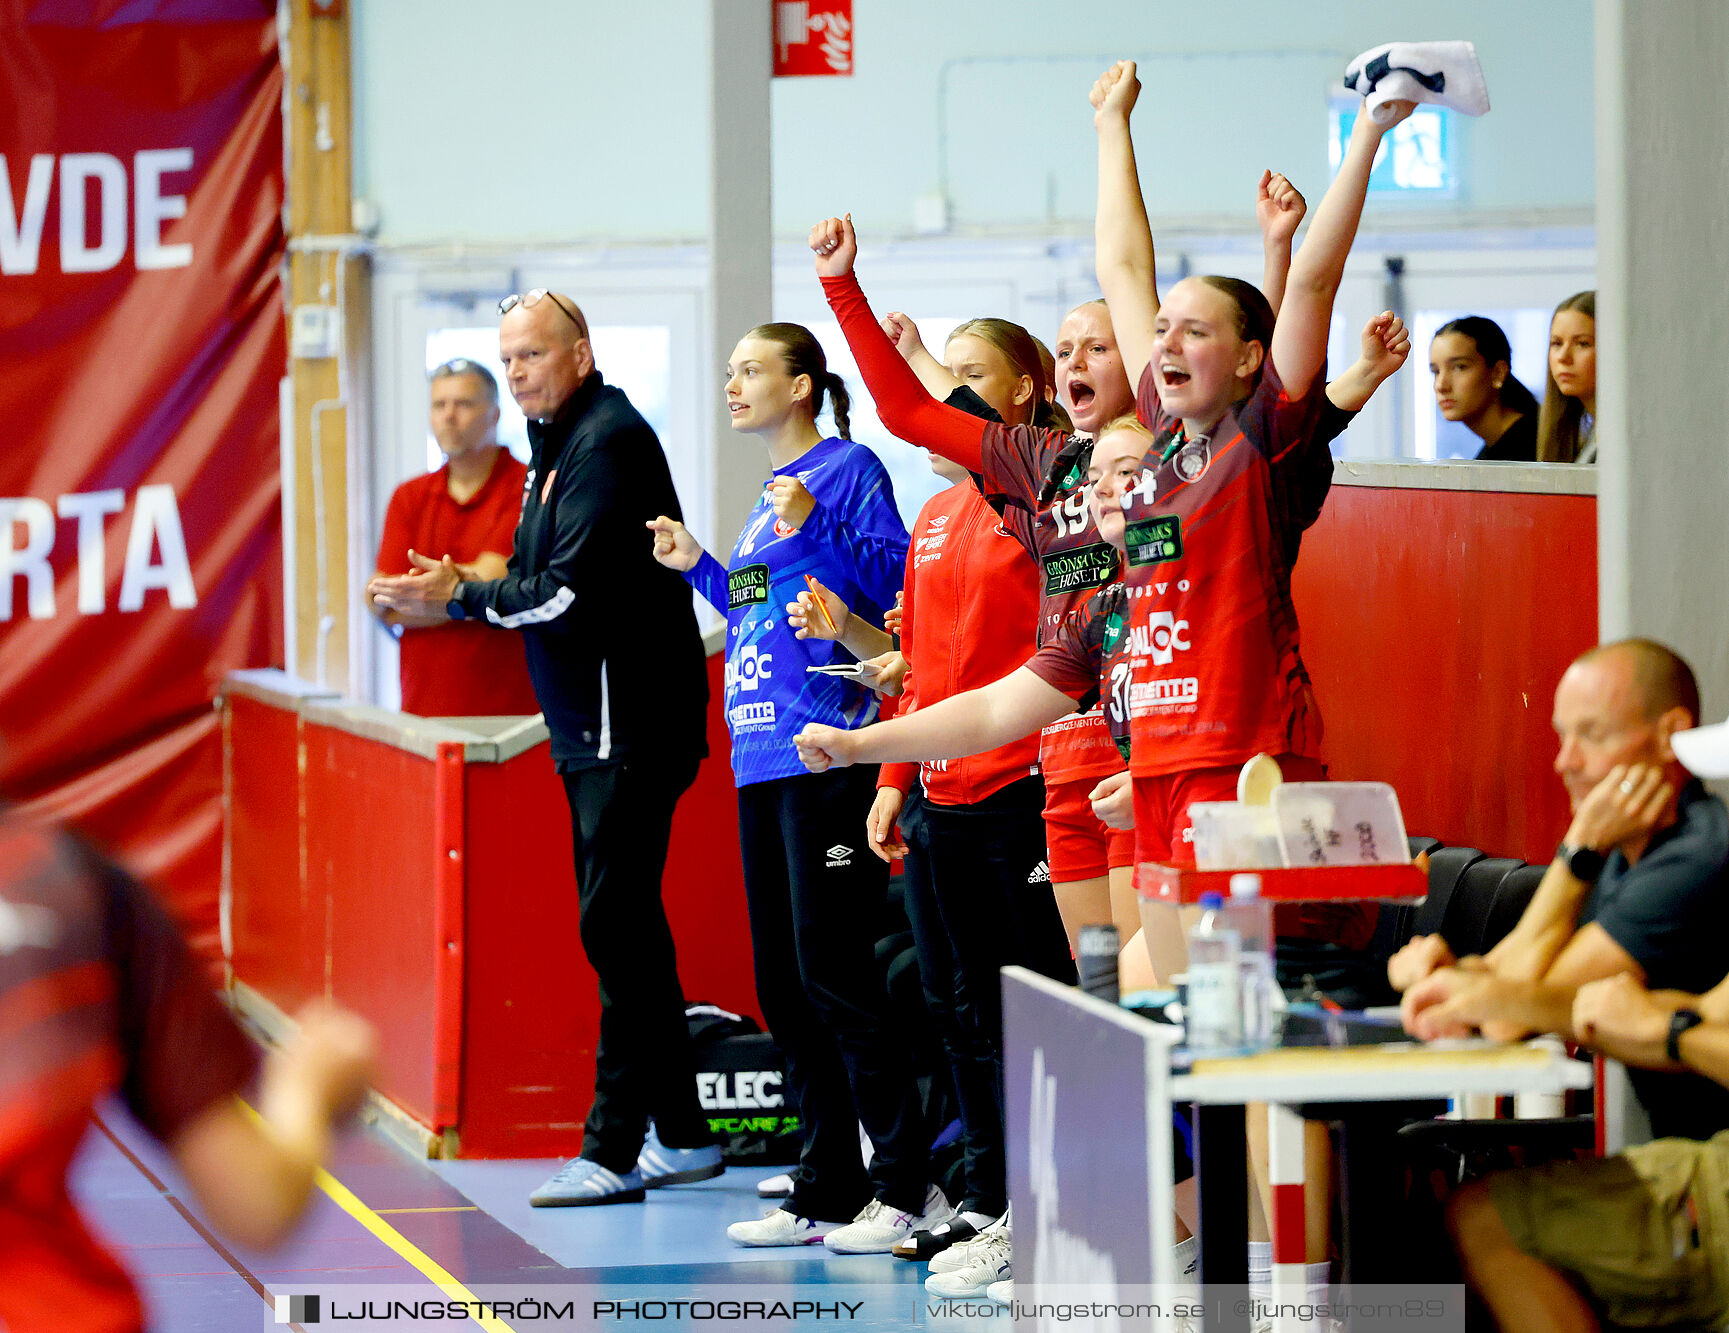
x,y
816,897
979,896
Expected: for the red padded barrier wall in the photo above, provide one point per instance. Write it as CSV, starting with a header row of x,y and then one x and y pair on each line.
x,y
276,923
371,848
1435,625
471,966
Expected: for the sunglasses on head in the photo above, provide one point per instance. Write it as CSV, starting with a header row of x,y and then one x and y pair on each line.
x,y
528,301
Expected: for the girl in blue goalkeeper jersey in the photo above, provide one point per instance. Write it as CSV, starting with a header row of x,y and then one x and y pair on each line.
x,y
813,890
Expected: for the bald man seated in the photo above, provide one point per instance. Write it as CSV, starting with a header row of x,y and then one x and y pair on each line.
x,y
1638,885
1641,1238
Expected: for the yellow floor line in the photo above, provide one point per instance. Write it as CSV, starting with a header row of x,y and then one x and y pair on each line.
x,y
346,1199
350,1203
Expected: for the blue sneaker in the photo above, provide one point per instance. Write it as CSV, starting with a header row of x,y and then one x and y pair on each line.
x,y
659,1165
580,1182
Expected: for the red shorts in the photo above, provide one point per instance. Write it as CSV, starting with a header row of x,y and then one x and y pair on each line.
x,y
1163,833
1079,844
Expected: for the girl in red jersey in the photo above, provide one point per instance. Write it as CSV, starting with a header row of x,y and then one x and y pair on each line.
x,y
1080,658
1090,864
976,887
1232,396
1235,474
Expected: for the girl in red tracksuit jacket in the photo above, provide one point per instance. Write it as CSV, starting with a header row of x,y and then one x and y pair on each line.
x,y
977,886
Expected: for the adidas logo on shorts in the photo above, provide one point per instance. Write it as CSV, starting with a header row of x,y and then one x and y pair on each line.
x,y
838,855
1041,873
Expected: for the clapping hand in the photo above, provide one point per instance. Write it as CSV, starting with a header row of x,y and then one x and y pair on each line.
x,y
423,594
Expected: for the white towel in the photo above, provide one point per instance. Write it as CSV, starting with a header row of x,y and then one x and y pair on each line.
x,y
1446,73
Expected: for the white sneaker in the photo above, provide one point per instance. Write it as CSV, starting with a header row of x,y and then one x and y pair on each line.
x,y
775,1187
957,1257
780,1228
877,1227
1003,1293
988,1263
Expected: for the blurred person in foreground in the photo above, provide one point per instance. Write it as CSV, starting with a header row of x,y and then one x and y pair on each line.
x,y
100,993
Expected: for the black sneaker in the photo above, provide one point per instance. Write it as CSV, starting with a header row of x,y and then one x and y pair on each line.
x,y
921,1245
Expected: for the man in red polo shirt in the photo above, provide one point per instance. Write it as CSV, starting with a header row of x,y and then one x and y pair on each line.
x,y
466,510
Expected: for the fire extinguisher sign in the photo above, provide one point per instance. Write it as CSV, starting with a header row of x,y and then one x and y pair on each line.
x,y
812,38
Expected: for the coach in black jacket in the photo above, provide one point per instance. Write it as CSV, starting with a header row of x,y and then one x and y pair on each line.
x,y
618,669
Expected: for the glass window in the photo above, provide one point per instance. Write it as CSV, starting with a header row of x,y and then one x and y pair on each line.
x,y
909,467
1527,330
637,358
1417,158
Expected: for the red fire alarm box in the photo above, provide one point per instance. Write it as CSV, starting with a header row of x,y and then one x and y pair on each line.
x,y
813,37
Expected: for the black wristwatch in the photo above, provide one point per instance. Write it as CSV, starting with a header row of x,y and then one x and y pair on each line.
x,y
1682,1020
1585,863
455,610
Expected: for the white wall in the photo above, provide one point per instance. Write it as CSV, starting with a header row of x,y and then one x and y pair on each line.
x,y
1663,397
568,120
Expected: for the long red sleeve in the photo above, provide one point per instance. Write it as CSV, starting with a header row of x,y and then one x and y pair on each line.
x,y
901,401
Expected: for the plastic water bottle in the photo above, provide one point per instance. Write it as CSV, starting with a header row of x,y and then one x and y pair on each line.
x,y
1096,961
1251,916
1215,1000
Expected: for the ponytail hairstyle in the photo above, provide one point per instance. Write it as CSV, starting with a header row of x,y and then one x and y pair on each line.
x,y
1254,316
1493,347
803,355
1560,422
1027,356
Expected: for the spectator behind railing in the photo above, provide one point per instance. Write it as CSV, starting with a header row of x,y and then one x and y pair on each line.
x,y
1567,425
1472,365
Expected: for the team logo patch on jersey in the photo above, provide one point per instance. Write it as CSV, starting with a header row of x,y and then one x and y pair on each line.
x,y
783,529
747,586
748,668
1152,541
1192,459
1084,567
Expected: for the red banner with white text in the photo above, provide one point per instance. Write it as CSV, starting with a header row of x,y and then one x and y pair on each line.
x,y
141,340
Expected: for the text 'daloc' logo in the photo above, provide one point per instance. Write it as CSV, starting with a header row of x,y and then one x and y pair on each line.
x,y
1160,638
749,668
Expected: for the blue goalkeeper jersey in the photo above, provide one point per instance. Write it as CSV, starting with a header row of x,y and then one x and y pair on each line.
x,y
853,543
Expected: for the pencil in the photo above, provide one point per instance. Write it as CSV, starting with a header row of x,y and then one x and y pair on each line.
x,y
816,596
